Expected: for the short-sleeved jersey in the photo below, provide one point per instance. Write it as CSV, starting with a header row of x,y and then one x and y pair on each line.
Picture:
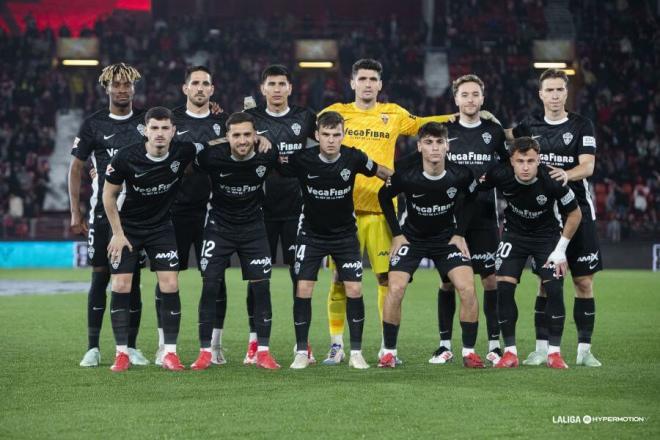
x,y
478,147
562,142
195,188
375,132
327,189
531,205
100,137
237,185
288,133
430,200
151,184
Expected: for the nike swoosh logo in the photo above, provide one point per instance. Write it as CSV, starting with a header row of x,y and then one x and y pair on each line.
x,y
108,137
268,320
557,317
174,264
137,175
266,270
416,196
359,274
262,132
451,139
173,313
502,322
134,311
179,133
96,309
488,266
506,194
589,314
312,177
536,137
225,175
117,310
357,320
300,323
446,331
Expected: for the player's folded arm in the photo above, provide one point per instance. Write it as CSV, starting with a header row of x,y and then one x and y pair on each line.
x,y
385,195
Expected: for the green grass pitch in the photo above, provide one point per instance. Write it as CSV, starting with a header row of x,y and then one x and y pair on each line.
x,y
45,394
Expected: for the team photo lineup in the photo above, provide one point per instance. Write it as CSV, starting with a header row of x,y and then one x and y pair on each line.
x,y
331,187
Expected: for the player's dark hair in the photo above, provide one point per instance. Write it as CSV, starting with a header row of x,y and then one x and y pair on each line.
x,y
367,64
466,79
239,118
192,69
275,70
119,72
434,129
551,74
524,144
158,113
329,120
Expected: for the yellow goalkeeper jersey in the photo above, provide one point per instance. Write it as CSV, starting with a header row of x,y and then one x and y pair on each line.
x,y
375,132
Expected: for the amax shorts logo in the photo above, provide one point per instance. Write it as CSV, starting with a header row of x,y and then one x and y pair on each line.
x,y
174,166
345,174
265,263
590,259
488,259
568,137
296,128
451,192
352,265
203,263
171,256
453,255
541,199
487,137
261,170
216,129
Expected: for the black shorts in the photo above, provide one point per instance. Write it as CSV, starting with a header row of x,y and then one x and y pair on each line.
x,y
514,250
250,244
284,231
345,252
189,231
483,246
98,238
445,256
583,252
159,244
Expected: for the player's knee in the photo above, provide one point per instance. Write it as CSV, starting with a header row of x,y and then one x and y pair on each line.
x,y
489,282
583,287
353,290
121,284
304,289
396,291
168,285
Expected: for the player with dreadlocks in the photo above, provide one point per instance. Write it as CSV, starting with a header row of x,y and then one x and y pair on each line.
x,y
100,137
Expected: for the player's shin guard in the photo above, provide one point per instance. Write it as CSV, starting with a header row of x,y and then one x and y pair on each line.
x,y
263,312
249,303
220,305
119,316
355,317
135,309
469,333
490,311
584,313
302,318
159,302
390,335
206,311
170,312
555,311
446,310
507,311
96,299
336,308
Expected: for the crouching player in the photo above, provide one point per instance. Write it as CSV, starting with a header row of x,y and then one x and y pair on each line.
x,y
531,229
436,192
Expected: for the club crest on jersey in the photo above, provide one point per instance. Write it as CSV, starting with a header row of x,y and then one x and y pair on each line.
x,y
384,118
451,192
487,137
115,264
141,129
541,199
261,170
345,174
568,137
216,129
395,260
174,166
296,267
203,263
296,128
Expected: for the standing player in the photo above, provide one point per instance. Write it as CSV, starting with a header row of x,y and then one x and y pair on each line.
x,y
568,146
290,128
151,173
531,229
327,174
100,137
372,127
476,143
235,224
438,215
195,123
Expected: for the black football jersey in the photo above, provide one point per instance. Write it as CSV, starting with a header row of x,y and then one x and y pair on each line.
x,y
195,188
531,207
151,184
100,137
562,142
430,200
327,189
289,133
237,186
478,147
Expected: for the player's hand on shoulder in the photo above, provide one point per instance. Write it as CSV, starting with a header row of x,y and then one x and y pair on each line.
x,y
116,246
93,173
215,108
249,102
397,242
559,175
461,244
485,114
263,144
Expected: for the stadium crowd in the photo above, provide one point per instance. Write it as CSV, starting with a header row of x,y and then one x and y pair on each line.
x,y
618,87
